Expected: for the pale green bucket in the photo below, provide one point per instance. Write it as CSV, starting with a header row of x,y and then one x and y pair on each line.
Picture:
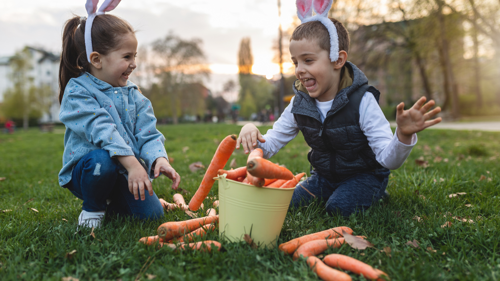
x,y
244,208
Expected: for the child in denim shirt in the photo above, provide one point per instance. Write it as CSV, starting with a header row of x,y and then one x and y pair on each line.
x,y
112,149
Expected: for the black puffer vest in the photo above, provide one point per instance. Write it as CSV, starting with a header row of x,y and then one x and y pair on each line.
x,y
339,148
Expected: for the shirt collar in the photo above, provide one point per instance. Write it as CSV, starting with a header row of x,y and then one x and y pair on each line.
x,y
104,86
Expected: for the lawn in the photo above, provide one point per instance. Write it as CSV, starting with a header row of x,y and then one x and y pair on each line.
x,y
38,218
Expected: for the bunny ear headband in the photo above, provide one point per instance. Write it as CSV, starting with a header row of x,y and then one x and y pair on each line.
x,y
91,7
321,7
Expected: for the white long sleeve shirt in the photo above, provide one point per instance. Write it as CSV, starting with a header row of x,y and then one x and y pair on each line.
x,y
388,150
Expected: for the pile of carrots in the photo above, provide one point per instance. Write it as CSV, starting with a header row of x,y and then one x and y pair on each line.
x,y
308,246
262,172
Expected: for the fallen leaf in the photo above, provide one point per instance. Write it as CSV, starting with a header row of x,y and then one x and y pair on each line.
x,y
6,211
362,254
182,191
487,172
421,162
413,243
70,279
463,219
216,203
249,241
70,254
92,233
444,253
489,179
431,250
438,159
441,179
356,242
196,166
418,219
387,251
33,209
438,148
427,148
65,220
421,196
233,163
2,179
456,194
185,149
483,177
445,160
468,205
150,276
446,224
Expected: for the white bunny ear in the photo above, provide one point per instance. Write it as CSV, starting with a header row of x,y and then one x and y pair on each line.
x,y
304,9
321,7
109,5
91,6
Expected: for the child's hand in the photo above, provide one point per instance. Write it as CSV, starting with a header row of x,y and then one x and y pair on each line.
x,y
415,119
138,180
162,166
248,137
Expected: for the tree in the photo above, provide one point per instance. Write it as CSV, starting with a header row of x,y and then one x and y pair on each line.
x,y
179,65
24,100
245,58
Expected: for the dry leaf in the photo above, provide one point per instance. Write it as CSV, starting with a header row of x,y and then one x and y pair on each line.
x,y
387,251
427,148
249,241
150,276
413,243
182,191
362,254
92,233
196,166
446,224
65,220
185,149
421,196
438,159
463,219
421,162
233,164
2,179
445,160
70,254
487,172
419,219
6,211
438,148
356,242
70,279
33,209
441,179
483,177
468,205
444,253
431,250
456,194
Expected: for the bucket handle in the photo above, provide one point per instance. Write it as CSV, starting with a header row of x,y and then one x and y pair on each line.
x,y
222,178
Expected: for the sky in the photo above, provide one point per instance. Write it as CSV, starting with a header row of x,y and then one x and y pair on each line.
x,y
221,24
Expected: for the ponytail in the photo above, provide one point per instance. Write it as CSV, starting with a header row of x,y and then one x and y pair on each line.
x,y
106,31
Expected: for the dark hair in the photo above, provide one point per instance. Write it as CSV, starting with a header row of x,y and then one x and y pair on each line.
x,y
316,30
106,31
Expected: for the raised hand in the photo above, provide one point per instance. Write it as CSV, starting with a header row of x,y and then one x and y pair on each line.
x,y
248,137
162,166
415,119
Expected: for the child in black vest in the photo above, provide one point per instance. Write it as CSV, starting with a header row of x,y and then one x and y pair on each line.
x,y
352,145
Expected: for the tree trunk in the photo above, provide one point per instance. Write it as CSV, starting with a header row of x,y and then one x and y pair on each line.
x,y
452,85
423,75
477,67
446,87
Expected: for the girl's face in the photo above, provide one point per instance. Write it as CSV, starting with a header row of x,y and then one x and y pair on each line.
x,y
118,64
314,69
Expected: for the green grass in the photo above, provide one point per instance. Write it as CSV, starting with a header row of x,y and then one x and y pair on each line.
x,y
34,245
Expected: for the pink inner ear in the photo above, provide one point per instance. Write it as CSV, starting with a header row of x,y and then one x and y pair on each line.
x,y
320,6
112,5
304,7
91,6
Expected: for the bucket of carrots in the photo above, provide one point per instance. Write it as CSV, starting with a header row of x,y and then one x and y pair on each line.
x,y
248,209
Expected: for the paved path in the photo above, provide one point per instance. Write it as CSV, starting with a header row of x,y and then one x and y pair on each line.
x,y
478,126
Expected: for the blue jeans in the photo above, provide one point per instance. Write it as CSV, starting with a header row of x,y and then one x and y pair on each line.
x,y
96,178
347,196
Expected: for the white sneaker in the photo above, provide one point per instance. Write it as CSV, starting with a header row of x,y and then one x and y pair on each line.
x,y
90,219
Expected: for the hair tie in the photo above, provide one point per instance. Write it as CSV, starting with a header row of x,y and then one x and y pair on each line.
x,y
321,8
91,7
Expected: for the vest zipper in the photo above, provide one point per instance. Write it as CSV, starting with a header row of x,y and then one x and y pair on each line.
x,y
321,130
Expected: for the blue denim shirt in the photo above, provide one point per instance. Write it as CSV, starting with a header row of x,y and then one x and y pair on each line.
x,y
119,120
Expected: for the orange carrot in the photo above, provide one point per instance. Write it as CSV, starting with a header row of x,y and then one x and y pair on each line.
x,y
269,181
259,182
150,240
293,182
292,245
263,168
198,232
325,272
173,229
245,180
179,200
240,179
168,206
221,156
354,265
277,183
234,174
315,247
202,246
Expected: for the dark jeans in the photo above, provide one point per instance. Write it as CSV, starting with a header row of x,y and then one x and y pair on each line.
x,y
96,178
347,196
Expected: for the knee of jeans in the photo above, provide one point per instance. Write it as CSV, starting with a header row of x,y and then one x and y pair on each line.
x,y
155,212
101,162
333,207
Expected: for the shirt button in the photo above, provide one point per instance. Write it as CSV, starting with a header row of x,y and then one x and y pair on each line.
x,y
127,141
116,92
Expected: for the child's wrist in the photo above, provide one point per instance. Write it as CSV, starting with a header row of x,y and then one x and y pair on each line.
x,y
404,138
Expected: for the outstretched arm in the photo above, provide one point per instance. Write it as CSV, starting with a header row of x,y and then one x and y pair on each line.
x,y
415,119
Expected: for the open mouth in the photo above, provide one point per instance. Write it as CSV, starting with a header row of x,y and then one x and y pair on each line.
x,y
126,74
309,83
